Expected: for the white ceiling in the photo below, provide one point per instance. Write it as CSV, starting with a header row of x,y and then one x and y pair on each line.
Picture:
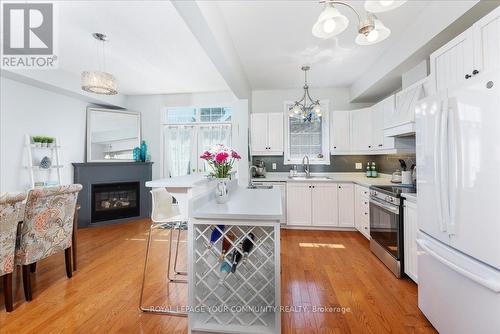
x,y
151,50
273,39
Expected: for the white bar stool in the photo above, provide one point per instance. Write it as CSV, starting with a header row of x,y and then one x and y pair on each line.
x,y
164,215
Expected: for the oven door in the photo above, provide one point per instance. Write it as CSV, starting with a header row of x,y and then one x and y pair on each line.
x,y
385,226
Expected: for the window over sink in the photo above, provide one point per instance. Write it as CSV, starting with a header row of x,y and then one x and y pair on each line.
x,y
307,138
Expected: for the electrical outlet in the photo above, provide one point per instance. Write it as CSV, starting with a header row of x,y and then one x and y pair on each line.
x,y
359,165
274,165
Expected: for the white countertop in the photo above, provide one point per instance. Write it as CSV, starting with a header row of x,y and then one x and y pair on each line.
x,y
245,204
358,178
186,181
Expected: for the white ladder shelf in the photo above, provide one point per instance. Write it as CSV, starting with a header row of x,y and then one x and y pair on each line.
x,y
37,153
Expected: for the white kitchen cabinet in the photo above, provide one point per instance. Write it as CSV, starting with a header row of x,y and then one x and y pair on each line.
x,y
340,132
475,50
487,42
410,237
362,210
361,130
453,62
266,133
345,204
377,119
325,202
298,204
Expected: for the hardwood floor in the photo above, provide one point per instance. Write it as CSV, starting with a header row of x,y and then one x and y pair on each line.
x,y
333,269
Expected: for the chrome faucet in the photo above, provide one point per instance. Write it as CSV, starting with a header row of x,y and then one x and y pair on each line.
x,y
308,169
250,183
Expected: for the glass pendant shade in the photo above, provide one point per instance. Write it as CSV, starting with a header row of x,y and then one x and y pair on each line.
x,y
377,35
99,83
379,6
330,23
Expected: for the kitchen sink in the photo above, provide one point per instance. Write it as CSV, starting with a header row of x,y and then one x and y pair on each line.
x,y
260,186
310,178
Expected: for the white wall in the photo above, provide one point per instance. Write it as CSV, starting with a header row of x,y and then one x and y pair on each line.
x,y
152,106
26,109
272,100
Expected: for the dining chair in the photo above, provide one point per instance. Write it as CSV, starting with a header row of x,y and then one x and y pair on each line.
x,y
11,205
46,229
164,215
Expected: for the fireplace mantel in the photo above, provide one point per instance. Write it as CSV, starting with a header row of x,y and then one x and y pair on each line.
x,y
92,173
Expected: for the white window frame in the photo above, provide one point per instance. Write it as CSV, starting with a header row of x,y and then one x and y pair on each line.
x,y
164,124
325,140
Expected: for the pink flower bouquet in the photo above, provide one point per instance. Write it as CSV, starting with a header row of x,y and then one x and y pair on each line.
x,y
221,159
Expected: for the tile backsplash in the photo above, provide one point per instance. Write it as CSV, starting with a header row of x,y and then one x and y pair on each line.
x,y
343,163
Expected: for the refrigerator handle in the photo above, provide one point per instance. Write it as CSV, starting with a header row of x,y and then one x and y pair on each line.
x,y
437,168
484,281
454,165
443,166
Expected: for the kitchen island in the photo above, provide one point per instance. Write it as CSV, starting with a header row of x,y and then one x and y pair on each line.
x,y
224,297
247,298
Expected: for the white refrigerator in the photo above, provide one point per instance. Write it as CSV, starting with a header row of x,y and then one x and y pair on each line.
x,y
458,185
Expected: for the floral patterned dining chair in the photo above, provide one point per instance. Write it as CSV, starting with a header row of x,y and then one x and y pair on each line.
x,y
46,229
10,208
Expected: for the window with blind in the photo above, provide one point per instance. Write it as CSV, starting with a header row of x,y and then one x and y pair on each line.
x,y
187,132
307,138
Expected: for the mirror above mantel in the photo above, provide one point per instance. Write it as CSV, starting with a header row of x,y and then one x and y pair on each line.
x,y
112,135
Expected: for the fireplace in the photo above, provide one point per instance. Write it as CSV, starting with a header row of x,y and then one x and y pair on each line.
x,y
115,201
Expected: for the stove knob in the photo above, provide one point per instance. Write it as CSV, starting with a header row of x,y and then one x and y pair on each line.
x,y
389,199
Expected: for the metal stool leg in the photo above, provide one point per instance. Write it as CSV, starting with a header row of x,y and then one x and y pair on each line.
x,y
152,309
173,280
177,253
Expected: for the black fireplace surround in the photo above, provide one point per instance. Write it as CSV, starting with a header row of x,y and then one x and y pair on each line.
x,y
113,192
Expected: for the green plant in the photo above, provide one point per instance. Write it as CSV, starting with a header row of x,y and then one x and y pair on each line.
x,y
50,140
37,139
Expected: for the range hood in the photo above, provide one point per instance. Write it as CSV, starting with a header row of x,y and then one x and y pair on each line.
x,y
403,121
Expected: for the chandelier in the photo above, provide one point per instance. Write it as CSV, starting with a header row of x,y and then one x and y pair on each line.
x,y
371,30
306,108
99,82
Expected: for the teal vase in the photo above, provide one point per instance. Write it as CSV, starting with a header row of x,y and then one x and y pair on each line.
x,y
144,151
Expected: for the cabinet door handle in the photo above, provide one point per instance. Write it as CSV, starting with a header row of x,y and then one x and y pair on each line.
x,y
475,72
366,213
369,146
335,147
366,228
380,145
468,76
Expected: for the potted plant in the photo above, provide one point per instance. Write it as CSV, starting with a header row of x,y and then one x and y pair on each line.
x,y
221,159
43,140
50,141
37,141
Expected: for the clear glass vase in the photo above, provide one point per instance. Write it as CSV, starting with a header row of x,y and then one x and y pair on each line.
x,y
222,190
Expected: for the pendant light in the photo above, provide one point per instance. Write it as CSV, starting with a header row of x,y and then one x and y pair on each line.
x,y
330,22
381,6
306,108
99,82
370,30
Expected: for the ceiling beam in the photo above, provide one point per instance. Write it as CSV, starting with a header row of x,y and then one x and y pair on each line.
x,y
207,25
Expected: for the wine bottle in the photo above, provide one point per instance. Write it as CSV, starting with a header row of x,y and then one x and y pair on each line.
x,y
247,246
374,170
368,170
216,233
225,269
226,245
235,259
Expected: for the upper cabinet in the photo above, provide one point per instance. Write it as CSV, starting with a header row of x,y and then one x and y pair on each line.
x,y
453,63
340,129
473,51
266,132
361,130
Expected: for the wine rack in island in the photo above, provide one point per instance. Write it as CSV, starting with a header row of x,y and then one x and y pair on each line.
x,y
235,281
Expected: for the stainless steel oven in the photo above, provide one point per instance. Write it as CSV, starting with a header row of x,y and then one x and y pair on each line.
x,y
386,227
